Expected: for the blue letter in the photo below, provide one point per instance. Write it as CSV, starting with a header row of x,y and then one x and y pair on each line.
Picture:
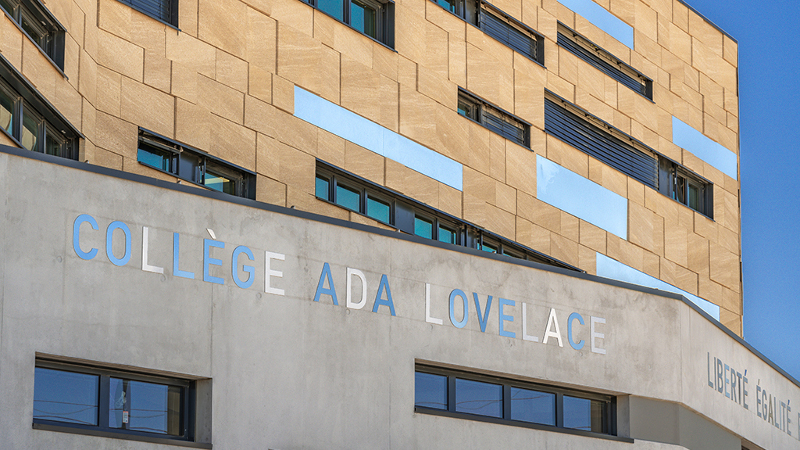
x,y
76,231
379,301
453,295
482,320
572,317
502,302
208,260
326,274
176,255
110,234
248,269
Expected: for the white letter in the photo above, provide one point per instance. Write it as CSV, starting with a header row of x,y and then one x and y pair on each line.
x,y
359,274
272,273
552,321
147,267
525,336
595,348
428,317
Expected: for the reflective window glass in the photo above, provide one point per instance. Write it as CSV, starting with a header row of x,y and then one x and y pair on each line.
x,y
450,5
447,235
219,182
154,157
189,167
533,406
583,414
347,197
54,143
430,390
423,227
6,112
30,132
65,396
489,248
141,406
35,32
8,6
364,18
693,197
333,7
476,397
378,209
322,188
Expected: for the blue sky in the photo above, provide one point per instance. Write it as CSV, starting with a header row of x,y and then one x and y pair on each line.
x,y
769,108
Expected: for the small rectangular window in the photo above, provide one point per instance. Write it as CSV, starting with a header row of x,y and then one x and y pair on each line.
x,y
348,197
63,396
423,227
475,397
165,11
494,118
322,188
447,235
373,18
378,209
430,390
40,26
533,406
584,414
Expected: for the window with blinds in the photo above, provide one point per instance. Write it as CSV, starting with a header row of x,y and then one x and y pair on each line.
x,y
603,61
511,33
163,10
494,118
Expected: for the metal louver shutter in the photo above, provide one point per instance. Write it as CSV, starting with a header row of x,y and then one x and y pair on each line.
x,y
599,144
504,128
601,64
505,33
161,9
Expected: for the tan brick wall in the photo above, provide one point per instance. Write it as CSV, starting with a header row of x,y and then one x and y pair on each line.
x,y
224,84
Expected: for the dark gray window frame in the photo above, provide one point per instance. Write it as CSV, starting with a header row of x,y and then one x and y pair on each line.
x,y
489,115
385,20
35,15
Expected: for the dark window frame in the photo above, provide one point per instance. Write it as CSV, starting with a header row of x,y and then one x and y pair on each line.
x,y
494,118
187,417
150,9
602,60
33,14
404,210
179,156
609,419
27,102
384,21
602,141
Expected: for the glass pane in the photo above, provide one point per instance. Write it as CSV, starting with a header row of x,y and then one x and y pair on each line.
x,y
364,19
189,167
349,198
53,143
533,406
118,407
450,5
6,112
423,227
694,197
378,210
475,397
154,157
8,6
489,248
65,396
430,390
150,408
220,182
447,235
323,188
583,414
36,34
30,130
333,7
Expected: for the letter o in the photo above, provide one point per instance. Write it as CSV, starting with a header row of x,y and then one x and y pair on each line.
x,y
463,322
109,241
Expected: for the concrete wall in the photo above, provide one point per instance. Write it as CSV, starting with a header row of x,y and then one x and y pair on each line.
x,y
288,372
228,90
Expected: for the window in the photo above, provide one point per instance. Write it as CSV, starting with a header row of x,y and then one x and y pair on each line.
x,y
604,61
499,25
479,397
30,120
96,400
193,165
373,18
37,22
163,10
602,141
494,118
391,208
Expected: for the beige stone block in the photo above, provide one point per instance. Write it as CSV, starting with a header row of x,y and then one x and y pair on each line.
x,y
533,236
220,24
529,81
407,72
410,32
642,224
283,94
259,83
270,191
676,243
364,163
709,290
296,133
688,114
678,276
220,99
184,82
700,29
286,165
108,91
116,135
157,71
479,185
415,113
730,50
732,122
67,100
38,70
120,56
731,101
259,116
115,18
625,10
308,63
589,102
384,61
436,87
570,227
729,240
645,20
450,200
732,300
592,237
147,107
191,53
231,71
592,80
724,267
567,156
568,66
651,264
330,148
625,252
452,141
192,124
560,87
148,33
234,143
261,40
520,168
732,213
105,158
680,16
731,320
648,49
87,82
540,213
564,249
638,108
587,260
187,17
505,197
354,45
636,191
72,54
490,77
412,183
88,120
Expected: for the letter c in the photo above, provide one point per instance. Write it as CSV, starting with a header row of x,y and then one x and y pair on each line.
x,y
574,316
76,236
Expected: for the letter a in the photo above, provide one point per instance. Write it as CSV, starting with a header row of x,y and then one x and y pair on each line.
x,y
552,322
326,275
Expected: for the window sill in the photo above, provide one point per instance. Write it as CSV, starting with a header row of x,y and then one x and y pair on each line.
x,y
115,435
